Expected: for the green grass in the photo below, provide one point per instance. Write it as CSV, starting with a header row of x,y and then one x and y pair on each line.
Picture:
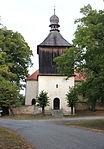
x,y
92,124
10,140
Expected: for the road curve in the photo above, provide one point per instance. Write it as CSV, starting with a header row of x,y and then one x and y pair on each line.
x,y
43,134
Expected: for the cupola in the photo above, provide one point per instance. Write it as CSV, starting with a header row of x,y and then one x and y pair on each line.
x,y
54,20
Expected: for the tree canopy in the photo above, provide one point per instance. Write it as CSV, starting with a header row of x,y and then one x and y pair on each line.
x,y
86,55
17,54
87,51
15,58
43,100
9,91
72,98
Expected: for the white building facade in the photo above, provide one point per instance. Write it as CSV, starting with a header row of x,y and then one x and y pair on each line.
x,y
47,78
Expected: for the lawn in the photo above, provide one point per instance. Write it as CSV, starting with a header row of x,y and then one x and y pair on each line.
x,y
92,124
10,140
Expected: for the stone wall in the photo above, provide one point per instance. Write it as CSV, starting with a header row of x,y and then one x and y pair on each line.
x,y
99,107
27,109
81,106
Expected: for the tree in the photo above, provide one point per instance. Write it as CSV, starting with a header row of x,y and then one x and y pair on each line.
x,y
9,94
9,91
18,54
72,98
87,53
89,42
66,61
42,100
93,90
14,62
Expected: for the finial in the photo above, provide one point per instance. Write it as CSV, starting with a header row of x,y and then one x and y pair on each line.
x,y
54,9
54,20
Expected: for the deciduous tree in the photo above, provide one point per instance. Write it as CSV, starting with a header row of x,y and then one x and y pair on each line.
x,y
14,62
18,54
43,100
86,55
72,98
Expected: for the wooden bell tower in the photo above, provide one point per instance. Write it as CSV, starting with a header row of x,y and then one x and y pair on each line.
x,y
53,46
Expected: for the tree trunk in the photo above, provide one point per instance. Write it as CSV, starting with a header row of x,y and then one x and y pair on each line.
x,y
72,110
93,107
11,111
43,111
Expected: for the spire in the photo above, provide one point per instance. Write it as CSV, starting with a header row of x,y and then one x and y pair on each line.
x,y
54,9
54,20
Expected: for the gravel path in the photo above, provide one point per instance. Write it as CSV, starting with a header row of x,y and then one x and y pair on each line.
x,y
44,134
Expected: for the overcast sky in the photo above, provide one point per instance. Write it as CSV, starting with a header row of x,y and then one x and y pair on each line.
x,y
31,19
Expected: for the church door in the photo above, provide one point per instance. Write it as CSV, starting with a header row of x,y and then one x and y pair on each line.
x,y
56,104
33,101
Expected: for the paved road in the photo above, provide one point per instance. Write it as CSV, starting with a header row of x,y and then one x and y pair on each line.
x,y
43,134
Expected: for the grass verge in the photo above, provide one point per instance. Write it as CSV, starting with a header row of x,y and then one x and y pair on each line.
x,y
11,140
97,124
29,117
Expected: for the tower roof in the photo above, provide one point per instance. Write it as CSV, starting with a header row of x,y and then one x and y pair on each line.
x,y
54,38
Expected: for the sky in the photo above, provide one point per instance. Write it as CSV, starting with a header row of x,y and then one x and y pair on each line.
x,y
31,19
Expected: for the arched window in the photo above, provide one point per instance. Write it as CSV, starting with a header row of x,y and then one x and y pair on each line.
x,y
33,102
56,104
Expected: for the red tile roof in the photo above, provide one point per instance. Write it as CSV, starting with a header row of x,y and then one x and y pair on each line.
x,y
33,76
36,73
78,77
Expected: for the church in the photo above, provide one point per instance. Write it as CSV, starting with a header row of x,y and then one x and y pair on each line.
x,y
47,78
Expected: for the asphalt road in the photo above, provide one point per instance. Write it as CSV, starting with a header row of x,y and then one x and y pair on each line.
x,y
43,134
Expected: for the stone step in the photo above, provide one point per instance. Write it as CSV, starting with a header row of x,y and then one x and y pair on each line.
x,y
57,113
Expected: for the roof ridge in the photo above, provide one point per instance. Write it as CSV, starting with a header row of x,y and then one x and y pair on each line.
x,y
36,73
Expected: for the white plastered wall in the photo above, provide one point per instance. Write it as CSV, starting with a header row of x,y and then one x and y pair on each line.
x,y
48,84
31,91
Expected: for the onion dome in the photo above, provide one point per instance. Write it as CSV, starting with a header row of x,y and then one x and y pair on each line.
x,y
54,38
54,20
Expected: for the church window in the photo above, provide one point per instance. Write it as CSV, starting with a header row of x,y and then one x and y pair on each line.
x,y
56,85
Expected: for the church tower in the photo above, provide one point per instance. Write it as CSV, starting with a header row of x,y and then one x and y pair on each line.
x,y
49,79
53,46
